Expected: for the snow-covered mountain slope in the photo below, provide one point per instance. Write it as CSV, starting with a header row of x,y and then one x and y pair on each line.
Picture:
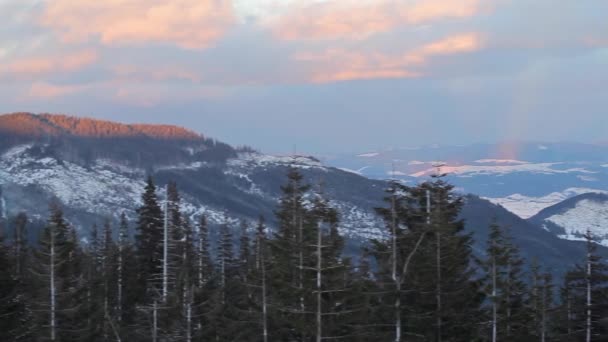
x,y
104,188
528,206
572,218
99,178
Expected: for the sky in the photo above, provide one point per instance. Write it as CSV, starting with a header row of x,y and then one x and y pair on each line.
x,y
333,76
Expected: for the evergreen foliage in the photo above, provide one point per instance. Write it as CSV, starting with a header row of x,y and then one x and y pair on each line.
x,y
293,282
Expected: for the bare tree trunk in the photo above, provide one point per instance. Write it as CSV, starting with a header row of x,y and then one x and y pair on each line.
x,y
543,325
301,260
319,282
439,322
569,314
166,247
189,316
509,294
264,303
53,293
119,281
154,322
18,250
494,304
200,260
588,281
394,260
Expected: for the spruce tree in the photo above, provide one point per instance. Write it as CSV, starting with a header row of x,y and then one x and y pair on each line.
x,y
408,225
258,282
585,298
332,275
204,267
541,303
149,243
21,250
58,270
292,259
12,302
509,310
439,295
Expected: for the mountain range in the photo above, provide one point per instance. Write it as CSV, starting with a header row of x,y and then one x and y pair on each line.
x,y
523,177
97,169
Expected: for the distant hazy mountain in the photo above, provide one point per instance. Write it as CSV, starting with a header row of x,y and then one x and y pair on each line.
x,y
523,177
97,169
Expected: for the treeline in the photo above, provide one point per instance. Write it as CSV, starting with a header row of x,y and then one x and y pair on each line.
x,y
84,141
56,124
178,281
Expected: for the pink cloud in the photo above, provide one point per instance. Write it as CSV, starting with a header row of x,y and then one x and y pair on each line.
x,y
336,65
153,94
358,19
189,24
46,90
37,66
154,73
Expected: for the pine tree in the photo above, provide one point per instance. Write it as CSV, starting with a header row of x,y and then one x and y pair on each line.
x,y
495,274
149,242
504,286
245,248
108,275
12,302
585,297
333,273
517,315
259,282
225,254
21,249
177,236
126,282
541,303
206,283
204,267
292,258
408,223
59,299
229,310
440,294
123,251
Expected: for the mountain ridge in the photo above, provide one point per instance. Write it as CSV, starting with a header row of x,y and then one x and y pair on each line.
x,y
43,125
572,218
97,181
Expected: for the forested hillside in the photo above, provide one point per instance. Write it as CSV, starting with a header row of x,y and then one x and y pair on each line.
x,y
162,277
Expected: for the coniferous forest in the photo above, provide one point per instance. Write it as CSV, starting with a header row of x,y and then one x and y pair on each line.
x,y
161,277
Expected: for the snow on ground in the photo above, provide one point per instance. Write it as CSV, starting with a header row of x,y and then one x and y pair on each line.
x,y
106,187
475,170
587,214
356,222
418,162
95,188
500,161
526,206
262,160
369,155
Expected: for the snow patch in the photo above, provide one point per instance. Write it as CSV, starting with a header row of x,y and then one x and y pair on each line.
x,y
263,160
369,155
500,161
418,162
587,214
527,206
475,170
